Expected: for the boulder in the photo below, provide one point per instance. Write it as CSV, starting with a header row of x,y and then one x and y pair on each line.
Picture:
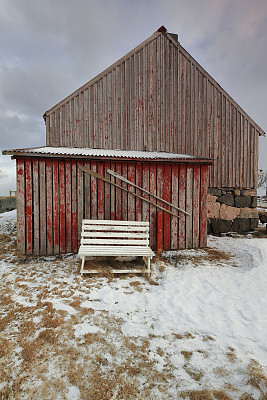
x,y
253,202
213,210
254,222
211,198
227,199
215,192
242,201
220,225
241,225
247,212
229,213
263,217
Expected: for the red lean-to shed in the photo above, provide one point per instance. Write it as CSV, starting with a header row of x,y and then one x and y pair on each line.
x,y
54,195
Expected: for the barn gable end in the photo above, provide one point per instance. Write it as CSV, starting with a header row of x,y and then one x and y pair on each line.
x,y
158,98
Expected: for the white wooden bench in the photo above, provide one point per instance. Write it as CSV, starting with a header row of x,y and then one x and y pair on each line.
x,y
116,239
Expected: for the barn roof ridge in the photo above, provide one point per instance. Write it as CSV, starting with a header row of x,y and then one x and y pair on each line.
x,y
171,38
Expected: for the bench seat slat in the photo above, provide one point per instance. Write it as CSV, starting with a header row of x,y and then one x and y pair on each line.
x,y
115,250
138,235
114,222
115,228
112,241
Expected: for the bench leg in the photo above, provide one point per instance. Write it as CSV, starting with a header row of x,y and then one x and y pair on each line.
x,y
147,262
148,266
82,266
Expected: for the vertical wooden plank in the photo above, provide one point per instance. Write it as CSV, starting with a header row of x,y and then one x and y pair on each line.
x,y
68,206
21,228
107,195
29,214
131,198
56,205
175,201
153,209
187,108
105,113
245,152
94,204
189,207
234,166
74,206
100,192
47,130
160,193
118,191
124,194
36,208
100,138
85,119
145,185
223,143
62,208
192,115
49,205
87,191
256,156
238,149
167,197
80,198
138,166
182,205
242,167
113,210
203,205
196,201
43,213
67,124
72,110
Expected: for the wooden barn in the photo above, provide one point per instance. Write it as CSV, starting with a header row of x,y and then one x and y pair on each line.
x,y
157,117
54,195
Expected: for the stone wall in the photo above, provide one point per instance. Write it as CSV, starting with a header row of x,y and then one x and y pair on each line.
x,y
231,211
8,203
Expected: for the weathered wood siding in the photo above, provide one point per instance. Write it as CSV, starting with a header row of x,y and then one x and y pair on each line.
x,y
54,195
158,98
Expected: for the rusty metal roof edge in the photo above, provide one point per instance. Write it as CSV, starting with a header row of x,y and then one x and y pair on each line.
x,y
66,152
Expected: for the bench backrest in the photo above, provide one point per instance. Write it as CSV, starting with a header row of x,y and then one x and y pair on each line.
x,y
111,233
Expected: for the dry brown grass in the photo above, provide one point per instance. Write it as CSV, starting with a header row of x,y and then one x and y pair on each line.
x,y
257,378
214,256
187,354
205,395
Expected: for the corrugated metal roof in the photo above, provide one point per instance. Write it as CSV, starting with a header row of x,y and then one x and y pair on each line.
x,y
102,153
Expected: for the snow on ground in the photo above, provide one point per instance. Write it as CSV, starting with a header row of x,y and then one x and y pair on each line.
x,y
199,326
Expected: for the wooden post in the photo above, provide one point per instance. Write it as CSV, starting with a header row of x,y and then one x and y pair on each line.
x,y
159,232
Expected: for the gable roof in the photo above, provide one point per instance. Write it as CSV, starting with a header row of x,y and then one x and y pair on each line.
x,y
162,31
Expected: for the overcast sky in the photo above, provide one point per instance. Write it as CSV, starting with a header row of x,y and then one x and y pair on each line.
x,y
50,48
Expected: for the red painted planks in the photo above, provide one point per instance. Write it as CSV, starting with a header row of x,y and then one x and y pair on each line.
x,y
62,207
153,209
74,216
175,201
203,206
68,206
131,198
43,214
29,209
36,209
118,193
56,206
49,207
167,197
182,205
196,201
100,193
